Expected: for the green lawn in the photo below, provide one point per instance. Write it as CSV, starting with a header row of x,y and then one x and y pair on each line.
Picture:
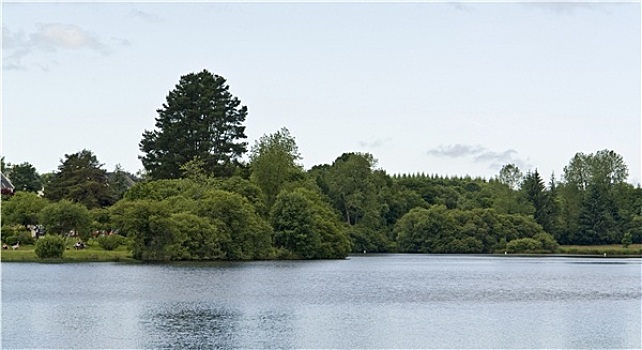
x,y
92,253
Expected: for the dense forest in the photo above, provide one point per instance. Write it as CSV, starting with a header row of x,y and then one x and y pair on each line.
x,y
197,199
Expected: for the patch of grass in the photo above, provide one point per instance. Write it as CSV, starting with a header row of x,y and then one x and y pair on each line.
x,y
91,253
612,249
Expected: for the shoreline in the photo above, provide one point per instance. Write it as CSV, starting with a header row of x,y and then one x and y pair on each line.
x,y
125,257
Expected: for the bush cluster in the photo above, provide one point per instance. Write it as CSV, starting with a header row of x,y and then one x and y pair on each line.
x,y
111,242
13,235
50,247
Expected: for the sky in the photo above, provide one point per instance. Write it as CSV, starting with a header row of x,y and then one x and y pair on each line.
x,y
452,89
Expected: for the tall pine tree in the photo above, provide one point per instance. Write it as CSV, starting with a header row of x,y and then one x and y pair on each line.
x,y
81,179
200,120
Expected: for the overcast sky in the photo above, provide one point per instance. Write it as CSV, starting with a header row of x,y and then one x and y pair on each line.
x,y
438,88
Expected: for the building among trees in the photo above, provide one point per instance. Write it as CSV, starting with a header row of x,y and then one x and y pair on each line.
x,y
7,186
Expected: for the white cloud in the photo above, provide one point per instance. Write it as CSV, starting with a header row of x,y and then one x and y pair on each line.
x,y
375,143
455,151
49,37
145,16
480,154
65,36
563,8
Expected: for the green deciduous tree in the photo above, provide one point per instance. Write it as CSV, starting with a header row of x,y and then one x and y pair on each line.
x,y
306,225
149,224
354,188
511,176
293,225
594,206
22,209
349,184
440,230
81,179
524,245
200,119
605,167
245,234
66,217
273,161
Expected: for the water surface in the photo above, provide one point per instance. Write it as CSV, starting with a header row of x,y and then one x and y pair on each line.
x,y
366,301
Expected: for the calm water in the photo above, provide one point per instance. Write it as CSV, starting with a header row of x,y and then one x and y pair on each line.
x,y
390,301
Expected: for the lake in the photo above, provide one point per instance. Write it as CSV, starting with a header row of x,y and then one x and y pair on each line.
x,y
365,301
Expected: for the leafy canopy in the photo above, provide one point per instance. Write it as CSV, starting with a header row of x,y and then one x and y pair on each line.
x,y
273,160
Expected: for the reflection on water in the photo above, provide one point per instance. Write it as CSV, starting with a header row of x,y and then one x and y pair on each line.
x,y
182,326
389,301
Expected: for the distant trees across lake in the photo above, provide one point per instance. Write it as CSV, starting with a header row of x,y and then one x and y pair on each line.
x,y
197,199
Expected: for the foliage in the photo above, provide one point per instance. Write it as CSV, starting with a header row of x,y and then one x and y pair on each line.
x,y
221,225
511,176
136,219
249,190
245,235
605,167
111,242
439,230
200,120
273,162
100,220
355,190
508,201
203,237
119,182
597,219
348,205
549,244
163,189
50,247
22,208
524,245
80,179
541,199
627,239
66,218
307,226
24,177
16,234
349,185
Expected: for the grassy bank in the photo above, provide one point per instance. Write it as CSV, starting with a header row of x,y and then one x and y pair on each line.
x,y
96,254
610,250
92,254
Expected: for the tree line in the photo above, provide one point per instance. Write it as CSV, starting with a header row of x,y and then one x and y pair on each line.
x,y
197,199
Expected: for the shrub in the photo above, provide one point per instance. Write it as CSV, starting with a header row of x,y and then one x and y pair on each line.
x,y
549,243
465,246
627,239
524,245
50,246
111,242
13,235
